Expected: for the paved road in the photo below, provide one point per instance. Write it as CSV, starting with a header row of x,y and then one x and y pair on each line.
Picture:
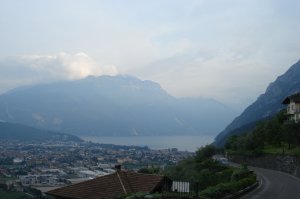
x,y
274,185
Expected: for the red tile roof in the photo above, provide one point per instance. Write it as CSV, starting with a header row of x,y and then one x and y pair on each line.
x,y
111,186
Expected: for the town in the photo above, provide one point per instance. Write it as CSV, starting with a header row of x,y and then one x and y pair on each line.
x,y
48,165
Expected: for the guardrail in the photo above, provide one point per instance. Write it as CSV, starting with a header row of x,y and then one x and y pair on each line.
x,y
243,191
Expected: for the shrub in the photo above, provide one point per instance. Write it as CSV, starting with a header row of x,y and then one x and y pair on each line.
x,y
239,174
223,189
205,152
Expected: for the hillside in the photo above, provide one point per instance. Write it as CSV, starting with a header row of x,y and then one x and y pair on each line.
x,y
11,131
266,106
112,106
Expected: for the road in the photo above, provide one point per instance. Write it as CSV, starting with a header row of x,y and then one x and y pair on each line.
x,y
274,185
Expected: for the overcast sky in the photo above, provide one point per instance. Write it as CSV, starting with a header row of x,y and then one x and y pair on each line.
x,y
229,50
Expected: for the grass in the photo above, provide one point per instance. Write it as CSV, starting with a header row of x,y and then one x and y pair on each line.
x,y
271,150
294,151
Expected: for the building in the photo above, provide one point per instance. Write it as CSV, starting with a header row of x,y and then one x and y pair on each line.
x,y
47,179
293,107
116,185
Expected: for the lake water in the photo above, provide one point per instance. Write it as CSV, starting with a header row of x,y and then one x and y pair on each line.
x,y
183,143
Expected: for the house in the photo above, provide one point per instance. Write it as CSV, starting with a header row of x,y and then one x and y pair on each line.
x,y
116,185
293,107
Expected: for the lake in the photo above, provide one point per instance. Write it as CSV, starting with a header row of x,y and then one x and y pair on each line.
x,y
183,143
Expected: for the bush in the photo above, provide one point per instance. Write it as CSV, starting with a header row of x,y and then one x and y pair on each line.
x,y
224,189
151,170
141,195
239,174
205,152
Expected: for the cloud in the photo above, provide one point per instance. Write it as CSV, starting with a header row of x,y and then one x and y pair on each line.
x,y
228,50
31,69
232,77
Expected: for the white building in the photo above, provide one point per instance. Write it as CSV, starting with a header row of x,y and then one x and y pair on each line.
x,y
293,107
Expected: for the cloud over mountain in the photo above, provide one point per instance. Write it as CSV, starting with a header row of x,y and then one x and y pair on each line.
x,y
32,69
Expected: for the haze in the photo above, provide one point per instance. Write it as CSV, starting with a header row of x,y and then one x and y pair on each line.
x,y
226,50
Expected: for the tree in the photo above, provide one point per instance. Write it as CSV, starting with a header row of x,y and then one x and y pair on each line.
x,y
292,134
231,142
205,152
149,170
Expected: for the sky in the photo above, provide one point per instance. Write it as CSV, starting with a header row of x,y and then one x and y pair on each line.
x,y
228,50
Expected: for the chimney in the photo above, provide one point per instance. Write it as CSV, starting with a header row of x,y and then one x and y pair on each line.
x,y
118,167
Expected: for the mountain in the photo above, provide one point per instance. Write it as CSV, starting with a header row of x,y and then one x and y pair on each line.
x,y
207,115
11,131
266,106
111,106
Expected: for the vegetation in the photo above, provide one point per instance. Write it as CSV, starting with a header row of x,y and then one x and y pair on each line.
x,y
140,195
150,170
232,187
215,180
10,192
275,136
12,195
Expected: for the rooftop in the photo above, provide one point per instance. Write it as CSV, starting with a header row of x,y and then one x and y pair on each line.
x,y
295,97
116,185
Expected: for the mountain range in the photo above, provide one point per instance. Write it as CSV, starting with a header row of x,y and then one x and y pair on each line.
x,y
18,132
112,106
266,106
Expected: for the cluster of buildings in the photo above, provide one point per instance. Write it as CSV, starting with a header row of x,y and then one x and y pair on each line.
x,y
51,165
48,179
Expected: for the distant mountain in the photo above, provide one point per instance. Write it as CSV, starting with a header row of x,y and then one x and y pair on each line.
x,y
11,131
205,115
266,106
112,106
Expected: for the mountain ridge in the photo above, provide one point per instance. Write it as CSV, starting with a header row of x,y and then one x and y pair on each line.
x,y
111,106
19,132
267,104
